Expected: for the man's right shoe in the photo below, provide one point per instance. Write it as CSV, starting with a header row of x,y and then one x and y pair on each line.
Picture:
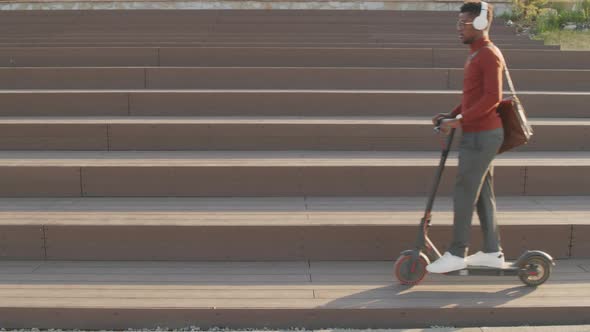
x,y
491,259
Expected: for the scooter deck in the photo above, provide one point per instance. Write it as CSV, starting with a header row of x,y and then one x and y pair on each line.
x,y
509,269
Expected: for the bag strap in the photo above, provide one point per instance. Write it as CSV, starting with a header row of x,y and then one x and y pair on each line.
x,y
506,72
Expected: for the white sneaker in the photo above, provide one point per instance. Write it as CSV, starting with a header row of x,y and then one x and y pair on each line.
x,y
447,263
492,259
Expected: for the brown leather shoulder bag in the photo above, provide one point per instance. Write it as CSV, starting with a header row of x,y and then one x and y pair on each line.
x,y
517,130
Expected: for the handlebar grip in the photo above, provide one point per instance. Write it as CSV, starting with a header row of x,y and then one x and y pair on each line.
x,y
439,121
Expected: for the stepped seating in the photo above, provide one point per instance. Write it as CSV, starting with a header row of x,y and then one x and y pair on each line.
x,y
265,168
313,294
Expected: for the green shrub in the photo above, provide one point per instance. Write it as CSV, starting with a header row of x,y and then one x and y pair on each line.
x,y
526,11
584,7
573,16
548,20
540,16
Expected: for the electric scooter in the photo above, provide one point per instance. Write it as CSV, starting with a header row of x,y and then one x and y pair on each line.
x,y
533,267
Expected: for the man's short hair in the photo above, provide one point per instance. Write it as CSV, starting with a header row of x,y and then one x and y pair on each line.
x,y
474,8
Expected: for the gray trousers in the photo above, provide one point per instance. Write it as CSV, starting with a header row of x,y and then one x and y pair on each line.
x,y
474,188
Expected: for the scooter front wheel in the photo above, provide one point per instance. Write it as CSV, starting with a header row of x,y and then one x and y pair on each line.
x,y
535,271
410,271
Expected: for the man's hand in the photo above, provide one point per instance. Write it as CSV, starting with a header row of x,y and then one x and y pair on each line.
x,y
439,117
447,124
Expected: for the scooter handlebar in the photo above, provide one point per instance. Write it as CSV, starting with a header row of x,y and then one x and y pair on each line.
x,y
439,122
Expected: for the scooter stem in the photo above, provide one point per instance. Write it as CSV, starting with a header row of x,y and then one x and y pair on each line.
x,y
439,172
422,241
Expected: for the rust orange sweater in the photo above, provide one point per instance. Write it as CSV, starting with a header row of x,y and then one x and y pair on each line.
x,y
482,89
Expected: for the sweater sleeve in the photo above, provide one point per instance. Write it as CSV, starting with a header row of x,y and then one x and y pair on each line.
x,y
456,111
491,70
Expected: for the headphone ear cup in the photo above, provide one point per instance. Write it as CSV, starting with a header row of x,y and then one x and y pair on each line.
x,y
480,23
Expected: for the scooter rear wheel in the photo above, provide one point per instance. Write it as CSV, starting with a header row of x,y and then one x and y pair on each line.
x,y
409,271
535,271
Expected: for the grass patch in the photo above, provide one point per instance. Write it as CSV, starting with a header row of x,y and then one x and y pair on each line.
x,y
569,40
556,23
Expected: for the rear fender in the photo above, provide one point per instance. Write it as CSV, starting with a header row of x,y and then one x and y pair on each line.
x,y
531,253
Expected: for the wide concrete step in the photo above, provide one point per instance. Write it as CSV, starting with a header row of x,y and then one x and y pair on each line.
x,y
230,14
183,38
386,34
56,30
167,18
280,57
187,16
269,35
264,44
273,173
267,228
192,20
276,78
179,37
258,133
279,294
320,103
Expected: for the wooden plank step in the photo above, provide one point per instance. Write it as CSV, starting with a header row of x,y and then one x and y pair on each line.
x,y
167,42
231,15
188,16
53,36
271,35
61,33
271,228
157,37
279,211
376,57
275,78
274,173
258,43
258,133
278,57
212,33
454,58
281,57
261,102
345,14
312,295
264,25
163,18
78,56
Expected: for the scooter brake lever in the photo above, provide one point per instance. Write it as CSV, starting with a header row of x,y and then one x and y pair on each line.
x,y
437,126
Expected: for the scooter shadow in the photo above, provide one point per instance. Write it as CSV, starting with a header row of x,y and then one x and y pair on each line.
x,y
433,295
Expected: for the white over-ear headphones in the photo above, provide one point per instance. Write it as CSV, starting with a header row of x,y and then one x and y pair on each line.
x,y
481,21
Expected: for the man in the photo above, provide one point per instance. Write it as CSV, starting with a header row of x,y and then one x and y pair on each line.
x,y
482,137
